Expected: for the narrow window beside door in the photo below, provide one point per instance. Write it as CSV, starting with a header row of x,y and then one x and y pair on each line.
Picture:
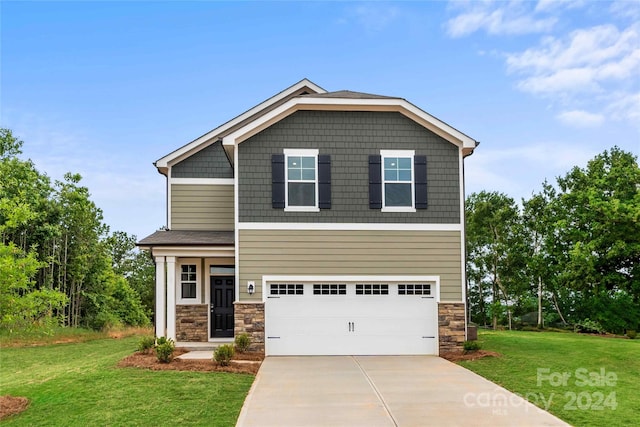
x,y
188,281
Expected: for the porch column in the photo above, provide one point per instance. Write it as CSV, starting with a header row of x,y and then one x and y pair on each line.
x,y
171,297
160,297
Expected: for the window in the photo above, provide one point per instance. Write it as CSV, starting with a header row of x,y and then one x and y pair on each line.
x,y
330,289
188,281
414,289
286,289
301,180
372,289
397,179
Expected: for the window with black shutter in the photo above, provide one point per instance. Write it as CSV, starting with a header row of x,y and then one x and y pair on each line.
x,y
301,180
397,181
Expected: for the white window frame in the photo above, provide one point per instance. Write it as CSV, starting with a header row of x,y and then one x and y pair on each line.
x,y
398,153
303,153
189,301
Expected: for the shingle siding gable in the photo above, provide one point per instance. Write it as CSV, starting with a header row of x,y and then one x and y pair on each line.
x,y
349,138
211,162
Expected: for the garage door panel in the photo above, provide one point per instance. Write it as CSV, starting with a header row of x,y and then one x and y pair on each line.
x,y
350,323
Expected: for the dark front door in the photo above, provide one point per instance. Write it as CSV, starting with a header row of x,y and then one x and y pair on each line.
x,y
221,306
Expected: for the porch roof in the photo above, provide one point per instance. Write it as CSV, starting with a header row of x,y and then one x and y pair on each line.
x,y
188,238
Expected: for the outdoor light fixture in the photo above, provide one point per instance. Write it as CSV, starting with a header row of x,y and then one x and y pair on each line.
x,y
251,288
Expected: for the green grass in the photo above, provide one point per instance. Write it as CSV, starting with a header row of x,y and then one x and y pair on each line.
x,y
533,363
79,384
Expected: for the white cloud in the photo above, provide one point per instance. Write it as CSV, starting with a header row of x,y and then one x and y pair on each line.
x,y
579,118
512,18
554,5
590,74
598,66
582,61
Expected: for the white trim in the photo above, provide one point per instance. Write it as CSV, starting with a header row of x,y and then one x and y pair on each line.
x,y
301,209
302,153
169,196
171,300
346,226
266,279
202,181
463,238
161,289
236,221
188,148
399,154
399,208
349,104
194,252
198,298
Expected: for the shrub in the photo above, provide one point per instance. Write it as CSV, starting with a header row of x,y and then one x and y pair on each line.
x,y
471,346
145,344
162,340
164,349
588,327
223,354
242,343
631,334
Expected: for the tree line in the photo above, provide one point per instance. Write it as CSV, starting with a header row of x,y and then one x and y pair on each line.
x,y
59,264
568,255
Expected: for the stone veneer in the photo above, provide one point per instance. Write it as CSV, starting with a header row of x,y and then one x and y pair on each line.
x,y
249,318
451,326
191,323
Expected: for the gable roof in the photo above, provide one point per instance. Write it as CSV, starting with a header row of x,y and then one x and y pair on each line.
x,y
303,87
351,101
306,95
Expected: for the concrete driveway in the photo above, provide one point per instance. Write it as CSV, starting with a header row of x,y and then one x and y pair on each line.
x,y
381,391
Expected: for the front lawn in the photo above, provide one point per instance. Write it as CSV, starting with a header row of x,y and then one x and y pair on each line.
x,y
584,380
79,384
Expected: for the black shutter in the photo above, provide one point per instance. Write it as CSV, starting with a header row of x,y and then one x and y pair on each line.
x,y
420,174
324,181
375,182
277,181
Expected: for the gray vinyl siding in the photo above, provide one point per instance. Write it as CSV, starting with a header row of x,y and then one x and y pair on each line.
x,y
349,138
211,162
202,207
334,253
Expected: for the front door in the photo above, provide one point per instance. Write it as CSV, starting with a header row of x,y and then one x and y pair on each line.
x,y
221,306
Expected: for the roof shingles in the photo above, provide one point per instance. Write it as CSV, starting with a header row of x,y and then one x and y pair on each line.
x,y
188,238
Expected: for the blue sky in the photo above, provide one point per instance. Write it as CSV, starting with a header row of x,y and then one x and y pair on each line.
x,y
106,88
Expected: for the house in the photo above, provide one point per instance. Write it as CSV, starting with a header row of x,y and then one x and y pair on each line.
x,y
320,223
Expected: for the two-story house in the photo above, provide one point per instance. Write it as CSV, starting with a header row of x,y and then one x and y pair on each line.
x,y
320,223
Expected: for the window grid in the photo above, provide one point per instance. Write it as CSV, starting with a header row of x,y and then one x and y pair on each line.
x,y
286,289
301,175
330,289
188,281
414,289
397,179
372,289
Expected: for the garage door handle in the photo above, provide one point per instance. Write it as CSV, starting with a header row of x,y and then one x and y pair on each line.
x,y
352,326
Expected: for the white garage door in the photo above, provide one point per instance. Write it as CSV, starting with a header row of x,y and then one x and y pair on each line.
x,y
346,318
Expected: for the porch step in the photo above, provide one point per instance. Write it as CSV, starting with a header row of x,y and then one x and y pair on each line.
x,y
203,346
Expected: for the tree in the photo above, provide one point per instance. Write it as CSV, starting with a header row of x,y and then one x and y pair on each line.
x,y
596,238
494,247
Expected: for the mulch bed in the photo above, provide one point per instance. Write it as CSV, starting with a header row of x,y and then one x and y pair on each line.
x,y
10,405
242,363
474,355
